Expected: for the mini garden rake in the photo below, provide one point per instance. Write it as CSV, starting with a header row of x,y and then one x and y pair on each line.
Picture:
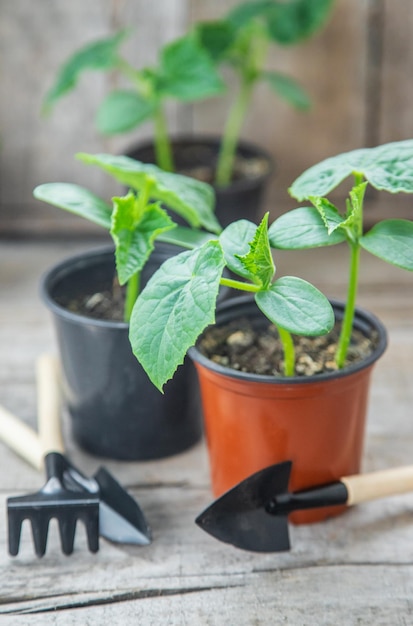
x,y
54,500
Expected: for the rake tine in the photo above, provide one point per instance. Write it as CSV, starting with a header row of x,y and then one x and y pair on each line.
x,y
40,529
67,530
54,500
92,531
15,522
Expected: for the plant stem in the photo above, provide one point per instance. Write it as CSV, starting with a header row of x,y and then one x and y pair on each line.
x,y
132,290
289,351
347,324
133,284
163,149
238,284
251,62
232,131
285,336
354,243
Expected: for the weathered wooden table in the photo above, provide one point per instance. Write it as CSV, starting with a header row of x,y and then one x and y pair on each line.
x,y
354,569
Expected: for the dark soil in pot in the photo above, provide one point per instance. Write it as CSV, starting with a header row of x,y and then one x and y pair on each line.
x,y
115,410
197,157
257,349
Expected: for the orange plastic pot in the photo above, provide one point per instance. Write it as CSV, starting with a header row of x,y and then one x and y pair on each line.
x,y
253,421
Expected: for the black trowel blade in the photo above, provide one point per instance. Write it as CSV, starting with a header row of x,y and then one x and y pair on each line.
x,y
240,517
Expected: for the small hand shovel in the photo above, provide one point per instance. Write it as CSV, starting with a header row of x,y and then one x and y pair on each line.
x,y
253,515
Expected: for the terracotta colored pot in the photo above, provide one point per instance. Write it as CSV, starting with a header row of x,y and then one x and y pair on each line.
x,y
253,421
243,198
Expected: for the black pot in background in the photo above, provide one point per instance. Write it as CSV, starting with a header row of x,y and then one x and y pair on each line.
x,y
116,411
243,198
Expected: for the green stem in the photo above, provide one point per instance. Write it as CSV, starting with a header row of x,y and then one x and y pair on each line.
x,y
132,290
354,243
133,284
238,284
347,324
289,351
232,131
163,150
135,77
285,335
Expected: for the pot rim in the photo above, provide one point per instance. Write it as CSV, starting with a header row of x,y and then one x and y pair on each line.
x,y
63,269
74,262
362,317
215,139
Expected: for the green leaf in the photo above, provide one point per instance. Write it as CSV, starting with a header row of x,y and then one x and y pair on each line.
x,y
187,71
215,37
235,240
174,308
77,200
295,20
122,111
354,217
302,228
288,89
98,55
392,241
297,306
258,260
190,198
388,167
329,214
134,230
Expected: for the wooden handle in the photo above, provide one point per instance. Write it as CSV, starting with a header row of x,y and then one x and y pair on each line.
x,y
363,487
48,404
21,438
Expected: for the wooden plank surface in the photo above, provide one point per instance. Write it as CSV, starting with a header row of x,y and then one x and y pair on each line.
x,y
354,569
34,41
396,92
359,95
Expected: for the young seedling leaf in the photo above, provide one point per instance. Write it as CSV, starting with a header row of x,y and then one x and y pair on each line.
x,y
215,37
174,308
293,21
392,241
187,71
329,214
353,222
123,110
98,55
302,228
134,230
258,260
77,200
388,167
288,89
190,198
235,241
297,306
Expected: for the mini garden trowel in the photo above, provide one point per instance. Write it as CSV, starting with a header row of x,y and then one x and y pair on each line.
x,y
253,515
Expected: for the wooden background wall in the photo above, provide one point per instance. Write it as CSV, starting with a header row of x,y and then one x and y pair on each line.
x,y
358,72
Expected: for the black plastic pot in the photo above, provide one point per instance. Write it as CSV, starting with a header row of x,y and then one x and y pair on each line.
x,y
115,410
243,198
